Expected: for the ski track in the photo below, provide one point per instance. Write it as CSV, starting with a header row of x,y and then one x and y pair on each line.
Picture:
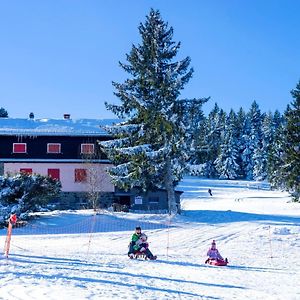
x,y
263,253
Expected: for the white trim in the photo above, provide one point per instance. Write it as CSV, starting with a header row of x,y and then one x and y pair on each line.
x,y
52,144
87,144
19,144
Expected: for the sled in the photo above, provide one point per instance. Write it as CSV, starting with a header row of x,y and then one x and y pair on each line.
x,y
217,262
140,255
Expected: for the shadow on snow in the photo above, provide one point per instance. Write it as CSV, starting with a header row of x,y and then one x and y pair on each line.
x,y
218,217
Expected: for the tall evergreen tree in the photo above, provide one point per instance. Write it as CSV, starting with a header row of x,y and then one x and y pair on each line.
x,y
240,131
291,166
214,138
261,154
152,145
252,140
226,163
276,156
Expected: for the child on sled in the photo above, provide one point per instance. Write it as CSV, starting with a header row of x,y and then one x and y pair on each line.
x,y
139,245
214,254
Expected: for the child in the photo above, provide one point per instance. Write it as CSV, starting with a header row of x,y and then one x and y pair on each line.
x,y
135,237
143,247
213,253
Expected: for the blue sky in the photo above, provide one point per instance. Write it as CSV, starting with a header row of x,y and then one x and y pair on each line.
x,y
61,56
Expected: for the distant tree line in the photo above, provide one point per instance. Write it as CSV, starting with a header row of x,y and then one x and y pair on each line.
x,y
250,145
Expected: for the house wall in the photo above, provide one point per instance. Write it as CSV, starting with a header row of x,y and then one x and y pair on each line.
x,y
67,174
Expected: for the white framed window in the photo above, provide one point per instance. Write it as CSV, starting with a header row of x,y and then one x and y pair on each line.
x,y
53,148
87,148
80,175
19,148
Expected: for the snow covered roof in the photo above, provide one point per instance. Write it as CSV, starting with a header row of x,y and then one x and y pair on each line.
x,y
62,127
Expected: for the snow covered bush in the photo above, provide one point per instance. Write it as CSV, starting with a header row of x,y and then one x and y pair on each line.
x,y
24,193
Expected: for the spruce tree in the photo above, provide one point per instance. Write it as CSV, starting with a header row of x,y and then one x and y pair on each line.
x,y
261,154
226,163
240,131
214,138
3,113
252,140
276,156
291,166
151,147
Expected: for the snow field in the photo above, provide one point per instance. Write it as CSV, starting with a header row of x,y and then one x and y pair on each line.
x,y
259,233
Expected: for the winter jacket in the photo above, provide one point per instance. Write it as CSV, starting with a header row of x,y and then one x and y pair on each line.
x,y
135,237
139,244
214,254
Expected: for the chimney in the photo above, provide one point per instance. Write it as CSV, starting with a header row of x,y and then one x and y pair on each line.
x,y
67,116
31,115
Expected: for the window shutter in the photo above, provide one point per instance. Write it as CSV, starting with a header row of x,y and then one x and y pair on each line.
x,y
26,170
54,173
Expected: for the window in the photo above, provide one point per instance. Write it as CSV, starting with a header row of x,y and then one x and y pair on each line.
x,y
80,175
19,147
87,148
26,170
153,199
53,148
53,173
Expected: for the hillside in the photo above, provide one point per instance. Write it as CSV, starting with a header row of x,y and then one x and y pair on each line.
x,y
76,255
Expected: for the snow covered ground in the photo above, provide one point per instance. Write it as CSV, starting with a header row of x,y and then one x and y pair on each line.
x,y
77,255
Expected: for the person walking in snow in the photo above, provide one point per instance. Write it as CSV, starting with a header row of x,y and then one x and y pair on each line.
x,y
213,253
210,192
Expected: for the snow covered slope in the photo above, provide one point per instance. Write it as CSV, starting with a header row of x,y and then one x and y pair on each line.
x,y
75,255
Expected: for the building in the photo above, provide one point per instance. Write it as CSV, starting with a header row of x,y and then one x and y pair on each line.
x,y
68,150
64,149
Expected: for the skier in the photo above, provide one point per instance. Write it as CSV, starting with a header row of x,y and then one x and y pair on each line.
x,y
210,191
214,254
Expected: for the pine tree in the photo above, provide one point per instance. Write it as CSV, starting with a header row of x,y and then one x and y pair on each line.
x,y
291,159
240,131
151,147
3,113
214,138
226,163
276,155
263,148
252,140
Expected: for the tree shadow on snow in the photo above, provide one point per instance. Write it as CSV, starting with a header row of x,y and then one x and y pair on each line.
x,y
256,269
79,265
218,217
